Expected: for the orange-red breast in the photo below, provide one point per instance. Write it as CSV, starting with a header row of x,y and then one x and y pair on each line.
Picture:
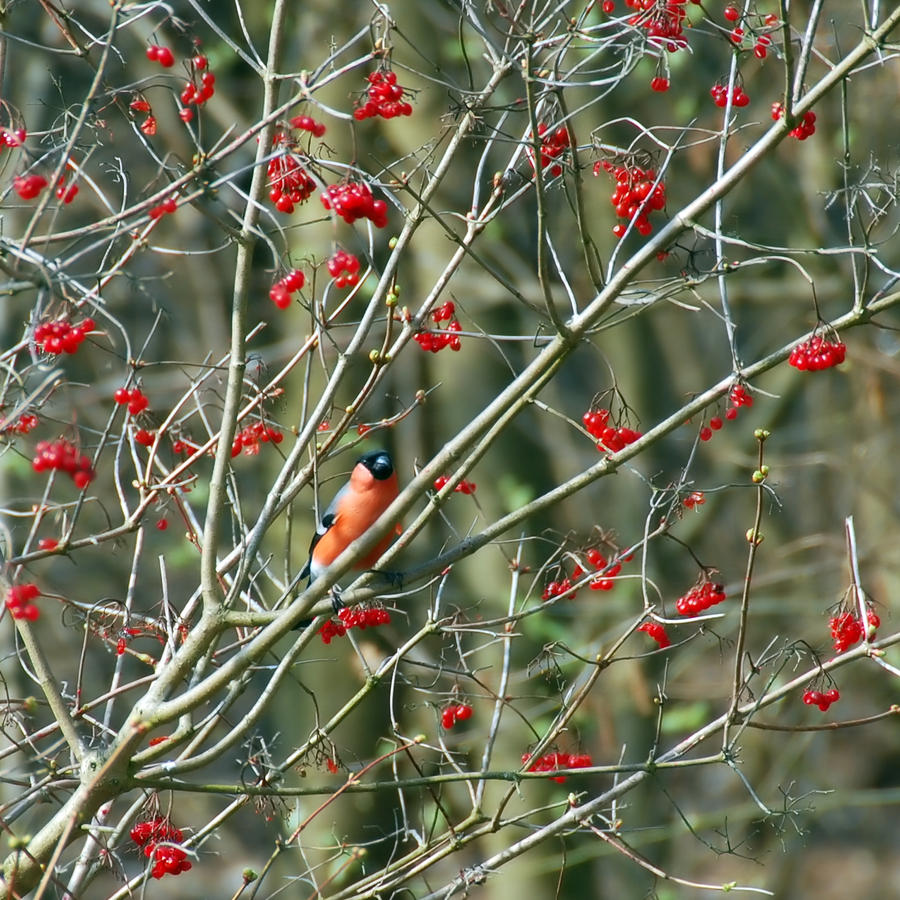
x,y
356,507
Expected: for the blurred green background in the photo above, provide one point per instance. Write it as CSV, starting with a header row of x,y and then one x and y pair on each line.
x,y
832,451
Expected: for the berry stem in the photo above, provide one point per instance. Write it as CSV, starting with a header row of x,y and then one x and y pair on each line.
x,y
855,579
217,506
540,198
754,540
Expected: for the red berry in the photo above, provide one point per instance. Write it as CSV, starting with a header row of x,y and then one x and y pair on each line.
x,y
83,478
29,186
294,280
280,295
596,558
657,632
731,13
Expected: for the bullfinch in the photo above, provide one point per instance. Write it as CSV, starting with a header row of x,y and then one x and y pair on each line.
x,y
356,507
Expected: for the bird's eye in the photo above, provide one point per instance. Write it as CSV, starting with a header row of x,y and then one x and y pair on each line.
x,y
381,467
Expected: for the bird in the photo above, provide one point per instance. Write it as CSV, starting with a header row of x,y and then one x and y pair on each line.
x,y
356,507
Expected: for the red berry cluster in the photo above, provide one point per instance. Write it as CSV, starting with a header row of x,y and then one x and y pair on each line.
x,y
822,699
553,761
719,93
635,195
817,353
464,487
453,714
384,98
18,601
368,617
737,398
162,55
66,194
659,83
435,341
663,20
248,439
144,438
197,95
289,183
60,336
608,438
11,139
280,292
847,629
63,456
553,145
331,629
694,499
308,123
699,598
657,632
25,423
135,399
561,588
182,446
157,837
353,200
761,47
343,268
805,129
604,582
29,186
166,208
706,432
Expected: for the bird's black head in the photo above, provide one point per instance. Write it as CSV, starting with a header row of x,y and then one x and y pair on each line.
x,y
379,463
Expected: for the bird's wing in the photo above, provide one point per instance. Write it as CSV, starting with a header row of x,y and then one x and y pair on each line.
x,y
328,519
330,514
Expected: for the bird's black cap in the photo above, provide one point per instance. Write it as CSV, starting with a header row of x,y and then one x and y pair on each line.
x,y
379,463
